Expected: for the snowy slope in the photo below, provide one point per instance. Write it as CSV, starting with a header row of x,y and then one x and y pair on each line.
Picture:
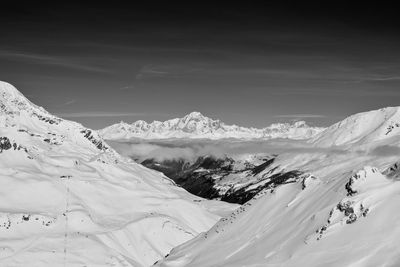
x,y
342,210
195,125
342,213
67,199
362,128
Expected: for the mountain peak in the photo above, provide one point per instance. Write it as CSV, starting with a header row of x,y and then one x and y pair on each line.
x,y
9,93
8,88
195,115
16,105
300,124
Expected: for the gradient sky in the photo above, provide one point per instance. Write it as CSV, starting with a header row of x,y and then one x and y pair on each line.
x,y
248,65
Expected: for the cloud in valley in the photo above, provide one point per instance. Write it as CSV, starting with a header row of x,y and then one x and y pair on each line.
x,y
191,149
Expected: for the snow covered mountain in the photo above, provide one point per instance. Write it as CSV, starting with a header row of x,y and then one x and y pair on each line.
x,y
342,210
68,199
195,125
363,128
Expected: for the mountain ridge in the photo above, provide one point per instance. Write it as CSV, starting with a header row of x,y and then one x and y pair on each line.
x,y
196,126
362,128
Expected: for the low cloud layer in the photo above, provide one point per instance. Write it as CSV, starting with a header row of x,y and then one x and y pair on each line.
x,y
385,151
191,149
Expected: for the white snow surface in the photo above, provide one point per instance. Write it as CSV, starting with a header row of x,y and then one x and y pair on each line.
x,y
68,199
342,212
195,125
311,222
363,128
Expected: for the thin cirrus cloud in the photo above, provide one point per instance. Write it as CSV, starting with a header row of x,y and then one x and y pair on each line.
x,y
391,78
50,60
99,114
375,79
298,116
69,102
169,70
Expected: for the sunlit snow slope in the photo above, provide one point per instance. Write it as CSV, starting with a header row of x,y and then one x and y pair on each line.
x,y
363,128
343,210
67,199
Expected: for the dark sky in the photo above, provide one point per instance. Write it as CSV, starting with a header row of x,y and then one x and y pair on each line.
x,y
246,64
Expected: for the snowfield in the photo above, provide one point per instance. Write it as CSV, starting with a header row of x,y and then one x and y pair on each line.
x,y
68,199
362,128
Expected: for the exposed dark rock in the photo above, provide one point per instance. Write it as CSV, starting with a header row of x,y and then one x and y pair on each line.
x,y
263,166
364,211
185,175
98,143
49,120
352,218
243,195
5,143
391,127
349,189
345,207
393,171
305,180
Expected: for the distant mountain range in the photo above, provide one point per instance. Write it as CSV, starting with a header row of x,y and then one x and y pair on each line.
x,y
195,125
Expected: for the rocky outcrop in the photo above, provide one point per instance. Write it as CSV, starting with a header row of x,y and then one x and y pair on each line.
x,y
5,143
98,143
360,192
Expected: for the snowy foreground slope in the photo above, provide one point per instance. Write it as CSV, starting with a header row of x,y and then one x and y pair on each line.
x,y
195,125
67,199
343,210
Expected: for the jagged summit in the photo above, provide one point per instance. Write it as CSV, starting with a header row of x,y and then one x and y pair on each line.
x,y
196,125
